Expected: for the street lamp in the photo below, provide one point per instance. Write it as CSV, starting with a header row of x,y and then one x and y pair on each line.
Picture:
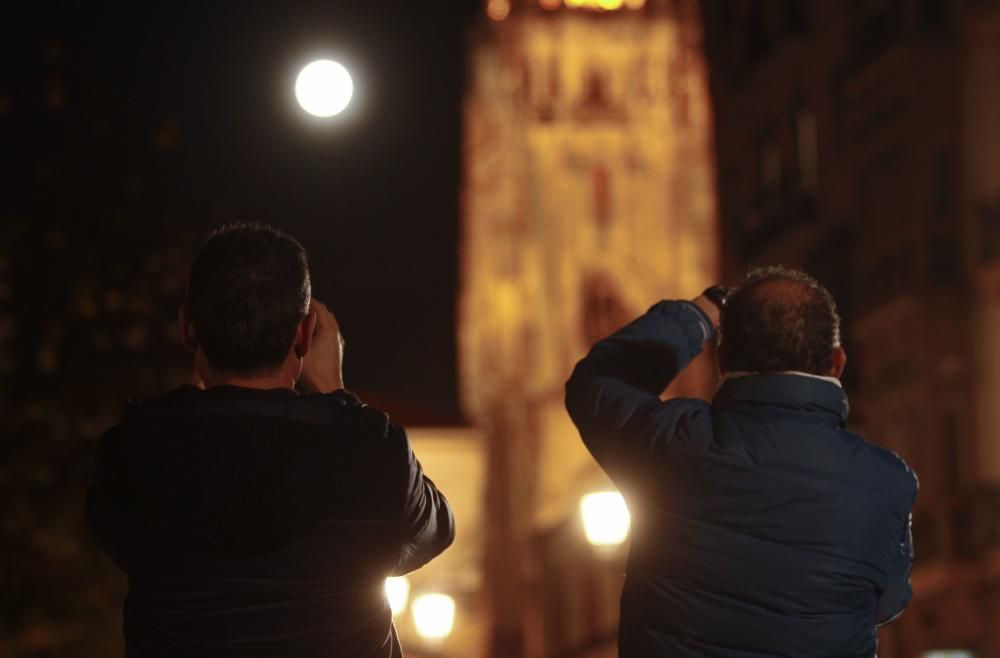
x,y
434,615
605,518
397,591
324,88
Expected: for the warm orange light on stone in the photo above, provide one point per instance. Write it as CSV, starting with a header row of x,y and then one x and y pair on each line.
x,y
588,194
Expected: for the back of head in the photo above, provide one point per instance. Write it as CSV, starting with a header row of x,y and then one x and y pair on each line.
x,y
780,320
248,290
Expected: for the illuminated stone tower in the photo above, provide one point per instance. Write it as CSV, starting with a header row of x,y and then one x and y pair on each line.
x,y
588,195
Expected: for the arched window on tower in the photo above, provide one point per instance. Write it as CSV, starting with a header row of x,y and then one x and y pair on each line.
x,y
603,310
553,76
595,92
526,91
601,184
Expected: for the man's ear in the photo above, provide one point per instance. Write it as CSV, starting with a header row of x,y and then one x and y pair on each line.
x,y
304,334
186,329
839,362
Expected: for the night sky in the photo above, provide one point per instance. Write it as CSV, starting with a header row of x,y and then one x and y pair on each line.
x,y
132,127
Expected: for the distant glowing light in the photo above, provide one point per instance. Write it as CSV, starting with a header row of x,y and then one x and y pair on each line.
x,y
434,616
324,88
498,10
596,5
397,591
550,4
605,518
948,653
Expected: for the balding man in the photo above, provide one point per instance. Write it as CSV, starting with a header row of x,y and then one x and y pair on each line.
x,y
761,526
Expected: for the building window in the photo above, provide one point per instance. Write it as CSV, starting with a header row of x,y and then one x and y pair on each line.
x,y
989,225
553,78
935,15
595,94
770,164
759,43
807,147
603,311
943,261
795,16
951,465
873,26
942,187
526,90
601,182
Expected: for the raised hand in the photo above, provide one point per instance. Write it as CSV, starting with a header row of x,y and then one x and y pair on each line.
x,y
322,367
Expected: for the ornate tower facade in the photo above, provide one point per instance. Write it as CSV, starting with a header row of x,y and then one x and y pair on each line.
x,y
588,195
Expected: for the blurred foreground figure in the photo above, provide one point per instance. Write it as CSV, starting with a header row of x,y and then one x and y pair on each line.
x,y
252,520
761,526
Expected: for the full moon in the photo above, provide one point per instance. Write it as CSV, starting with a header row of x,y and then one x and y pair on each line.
x,y
324,88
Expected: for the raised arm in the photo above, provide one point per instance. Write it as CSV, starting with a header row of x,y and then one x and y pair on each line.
x,y
427,525
613,393
896,594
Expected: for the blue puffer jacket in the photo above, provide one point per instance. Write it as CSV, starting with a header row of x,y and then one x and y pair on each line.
x,y
761,526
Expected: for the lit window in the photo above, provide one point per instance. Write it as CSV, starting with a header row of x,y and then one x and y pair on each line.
x,y
808,149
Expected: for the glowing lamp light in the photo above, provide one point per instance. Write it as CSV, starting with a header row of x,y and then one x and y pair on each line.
x,y
434,616
324,88
595,5
605,518
498,10
397,591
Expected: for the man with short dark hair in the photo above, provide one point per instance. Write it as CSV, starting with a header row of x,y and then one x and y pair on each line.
x,y
761,526
252,520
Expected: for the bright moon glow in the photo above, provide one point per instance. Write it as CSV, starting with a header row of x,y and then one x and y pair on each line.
x,y
605,518
434,615
324,88
397,590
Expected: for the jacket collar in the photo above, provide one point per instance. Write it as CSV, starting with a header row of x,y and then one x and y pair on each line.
x,y
799,392
285,403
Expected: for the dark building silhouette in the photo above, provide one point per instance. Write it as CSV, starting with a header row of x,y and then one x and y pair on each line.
x,y
861,141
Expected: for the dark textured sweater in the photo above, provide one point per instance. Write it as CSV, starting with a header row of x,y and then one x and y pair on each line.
x,y
261,523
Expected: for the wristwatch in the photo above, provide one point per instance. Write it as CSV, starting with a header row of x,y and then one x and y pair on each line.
x,y
717,295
